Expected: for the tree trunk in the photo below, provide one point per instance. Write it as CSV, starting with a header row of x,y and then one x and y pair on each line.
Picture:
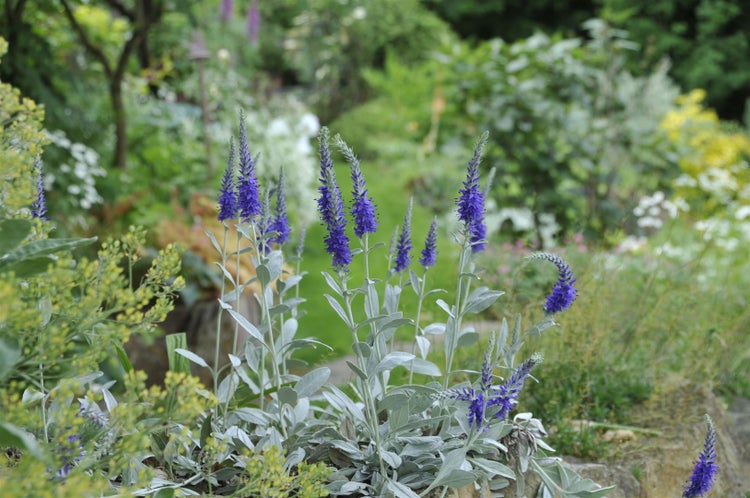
x,y
121,132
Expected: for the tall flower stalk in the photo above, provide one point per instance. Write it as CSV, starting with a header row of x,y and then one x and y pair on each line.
x,y
705,469
470,210
419,285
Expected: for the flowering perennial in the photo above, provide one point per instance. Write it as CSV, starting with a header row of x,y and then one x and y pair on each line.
x,y
471,200
280,222
705,468
403,246
363,209
228,191
331,207
429,252
248,191
504,396
564,293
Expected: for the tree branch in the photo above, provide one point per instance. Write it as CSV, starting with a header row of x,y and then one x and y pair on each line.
x,y
121,9
95,51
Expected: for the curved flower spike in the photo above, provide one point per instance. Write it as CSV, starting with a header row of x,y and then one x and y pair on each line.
x,y
564,293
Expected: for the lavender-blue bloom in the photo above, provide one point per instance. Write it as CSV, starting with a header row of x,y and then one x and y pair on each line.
x,y
363,209
228,191
429,252
331,207
39,206
248,190
280,221
471,200
506,396
403,246
564,293
476,404
705,469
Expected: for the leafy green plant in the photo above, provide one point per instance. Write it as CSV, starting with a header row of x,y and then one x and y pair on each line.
x,y
568,123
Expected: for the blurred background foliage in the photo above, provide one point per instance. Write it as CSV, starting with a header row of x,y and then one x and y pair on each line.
x,y
618,128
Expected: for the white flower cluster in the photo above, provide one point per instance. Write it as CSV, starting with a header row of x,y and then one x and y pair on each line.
x,y
652,210
77,176
286,141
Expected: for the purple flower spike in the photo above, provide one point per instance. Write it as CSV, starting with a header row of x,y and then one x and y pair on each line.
x,y
225,11
429,252
363,209
331,207
476,404
248,191
403,246
253,22
39,206
564,293
280,221
471,200
705,469
506,396
228,191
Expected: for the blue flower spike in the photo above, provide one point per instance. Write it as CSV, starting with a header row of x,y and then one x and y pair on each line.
x,y
228,192
331,207
403,246
564,292
280,221
39,206
248,189
705,469
471,200
429,253
363,208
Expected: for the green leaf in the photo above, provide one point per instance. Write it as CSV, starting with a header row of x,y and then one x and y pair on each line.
x,y
338,309
42,247
424,367
493,468
467,339
287,395
12,233
192,357
177,363
358,371
10,353
393,360
481,299
312,381
15,437
246,325
206,430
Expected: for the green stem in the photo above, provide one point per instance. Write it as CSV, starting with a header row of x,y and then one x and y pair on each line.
x,y
372,416
464,284
215,369
420,300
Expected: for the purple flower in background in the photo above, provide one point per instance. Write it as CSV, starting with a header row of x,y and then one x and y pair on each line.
x,y
228,191
471,200
248,192
403,246
225,10
506,396
39,206
331,207
429,252
705,469
564,293
253,22
280,221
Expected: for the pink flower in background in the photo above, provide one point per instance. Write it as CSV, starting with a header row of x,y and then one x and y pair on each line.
x,y
253,22
225,11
